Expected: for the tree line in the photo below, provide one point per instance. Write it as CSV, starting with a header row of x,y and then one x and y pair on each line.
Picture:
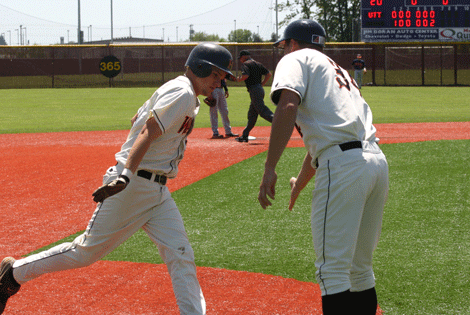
x,y
340,18
238,36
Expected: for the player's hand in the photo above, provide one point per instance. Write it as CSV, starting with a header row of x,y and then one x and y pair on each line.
x,y
267,188
134,119
110,189
294,193
226,94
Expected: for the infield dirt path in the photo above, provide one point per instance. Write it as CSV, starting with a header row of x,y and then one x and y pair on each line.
x,y
46,183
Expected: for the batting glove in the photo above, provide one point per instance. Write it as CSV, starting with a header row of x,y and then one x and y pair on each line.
x,y
111,189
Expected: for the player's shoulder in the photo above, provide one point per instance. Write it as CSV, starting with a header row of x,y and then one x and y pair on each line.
x,y
178,89
180,84
252,63
305,53
305,57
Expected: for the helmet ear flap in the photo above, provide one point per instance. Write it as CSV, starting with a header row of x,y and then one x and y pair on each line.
x,y
202,70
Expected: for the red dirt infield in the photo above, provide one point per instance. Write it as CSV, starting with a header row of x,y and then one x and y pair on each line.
x,y
46,186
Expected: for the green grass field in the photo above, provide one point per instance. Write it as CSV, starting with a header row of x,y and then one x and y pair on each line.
x,y
49,110
421,262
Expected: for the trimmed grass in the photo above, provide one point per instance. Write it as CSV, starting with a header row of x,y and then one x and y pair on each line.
x,y
421,262
54,110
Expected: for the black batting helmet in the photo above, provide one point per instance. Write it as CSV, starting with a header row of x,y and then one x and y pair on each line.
x,y
205,55
308,31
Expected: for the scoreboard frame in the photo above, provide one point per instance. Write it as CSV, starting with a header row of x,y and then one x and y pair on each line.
x,y
415,20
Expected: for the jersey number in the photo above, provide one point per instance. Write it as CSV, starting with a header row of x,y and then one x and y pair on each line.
x,y
341,78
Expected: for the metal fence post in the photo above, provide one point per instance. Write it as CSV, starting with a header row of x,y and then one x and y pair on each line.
x,y
53,66
163,65
373,65
422,65
455,64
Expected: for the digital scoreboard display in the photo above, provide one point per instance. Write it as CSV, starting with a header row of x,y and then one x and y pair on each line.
x,y
415,20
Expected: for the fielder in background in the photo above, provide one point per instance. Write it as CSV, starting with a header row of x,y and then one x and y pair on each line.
x,y
218,102
252,73
351,172
359,66
134,194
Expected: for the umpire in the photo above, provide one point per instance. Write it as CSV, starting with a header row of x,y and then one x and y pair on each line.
x,y
252,73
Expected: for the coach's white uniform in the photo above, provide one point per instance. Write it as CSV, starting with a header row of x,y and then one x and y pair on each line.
x,y
351,185
143,204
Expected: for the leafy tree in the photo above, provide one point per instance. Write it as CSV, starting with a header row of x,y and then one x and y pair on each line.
x,y
299,9
336,16
274,37
240,36
204,37
257,38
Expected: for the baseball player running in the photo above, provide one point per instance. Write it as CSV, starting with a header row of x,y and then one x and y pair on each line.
x,y
351,182
134,194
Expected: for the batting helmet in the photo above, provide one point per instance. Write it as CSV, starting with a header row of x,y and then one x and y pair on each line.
x,y
305,30
205,55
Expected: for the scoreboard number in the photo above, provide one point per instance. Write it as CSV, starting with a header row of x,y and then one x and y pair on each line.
x,y
415,20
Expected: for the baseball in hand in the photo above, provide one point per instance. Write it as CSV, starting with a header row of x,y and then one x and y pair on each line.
x,y
292,181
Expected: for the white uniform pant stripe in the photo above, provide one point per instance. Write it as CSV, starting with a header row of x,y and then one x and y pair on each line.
x,y
324,229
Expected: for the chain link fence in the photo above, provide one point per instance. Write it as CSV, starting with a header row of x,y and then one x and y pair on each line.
x,y
73,66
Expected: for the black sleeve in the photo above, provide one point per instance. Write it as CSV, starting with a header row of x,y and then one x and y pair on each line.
x,y
224,85
264,71
245,70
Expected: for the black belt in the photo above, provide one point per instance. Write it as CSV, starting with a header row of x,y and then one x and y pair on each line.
x,y
148,175
347,146
350,145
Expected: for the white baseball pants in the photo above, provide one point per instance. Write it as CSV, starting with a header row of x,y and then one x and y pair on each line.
x,y
221,105
358,76
351,189
143,204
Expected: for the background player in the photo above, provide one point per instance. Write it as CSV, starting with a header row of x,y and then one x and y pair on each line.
x,y
218,102
252,73
134,194
359,66
351,182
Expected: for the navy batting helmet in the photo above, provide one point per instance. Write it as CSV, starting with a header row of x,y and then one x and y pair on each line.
x,y
305,30
205,55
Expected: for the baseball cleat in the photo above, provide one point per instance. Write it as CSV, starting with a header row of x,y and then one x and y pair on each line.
x,y
242,139
217,137
228,135
8,285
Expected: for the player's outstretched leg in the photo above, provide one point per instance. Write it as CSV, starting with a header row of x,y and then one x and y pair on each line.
x,y
8,284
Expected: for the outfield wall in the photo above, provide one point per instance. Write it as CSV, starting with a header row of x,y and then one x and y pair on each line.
x,y
414,64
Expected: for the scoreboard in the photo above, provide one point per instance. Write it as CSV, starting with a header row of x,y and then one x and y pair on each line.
x,y
415,20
